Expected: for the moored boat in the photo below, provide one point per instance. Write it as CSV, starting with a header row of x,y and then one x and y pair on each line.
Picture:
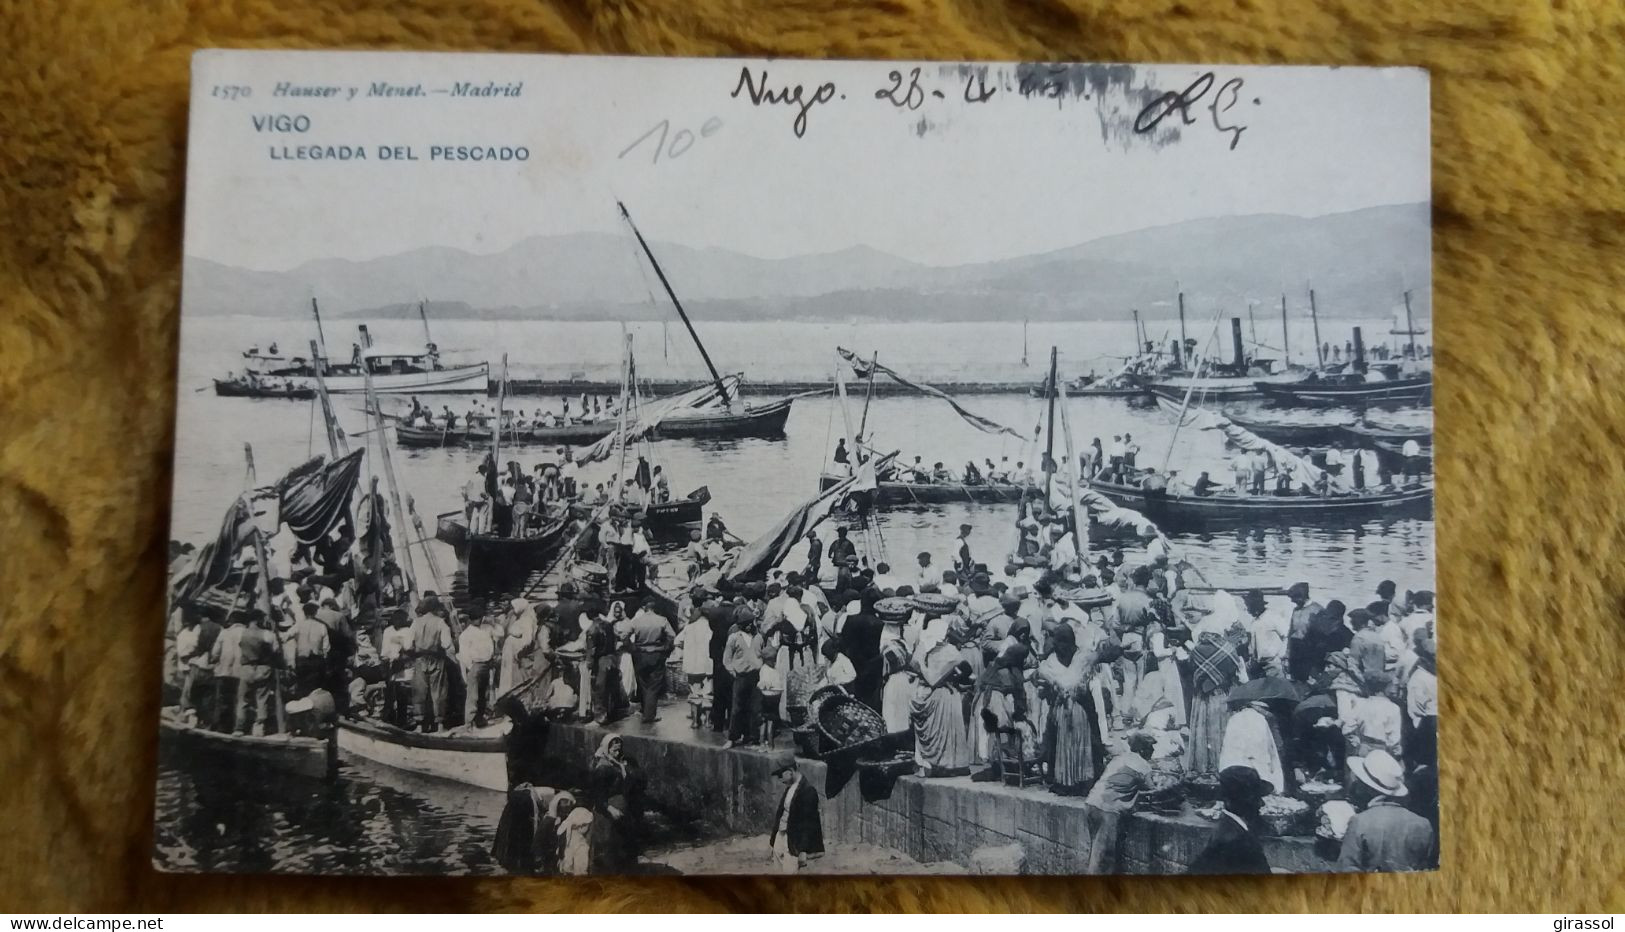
x,y
889,493
1189,511
1353,390
765,420
252,756
1299,433
1365,431
474,757
570,435
493,562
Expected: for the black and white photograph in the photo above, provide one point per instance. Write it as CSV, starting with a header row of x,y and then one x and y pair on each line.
x,y
592,465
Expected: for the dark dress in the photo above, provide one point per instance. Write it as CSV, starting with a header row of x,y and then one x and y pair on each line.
x,y
1232,850
860,641
804,833
614,841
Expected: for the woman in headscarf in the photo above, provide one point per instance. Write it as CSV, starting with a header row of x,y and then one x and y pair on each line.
x,y
519,829
1161,692
1000,690
1063,679
937,711
518,644
574,825
616,786
1250,740
1217,667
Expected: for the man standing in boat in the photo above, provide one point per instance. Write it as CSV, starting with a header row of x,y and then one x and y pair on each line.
x,y
433,652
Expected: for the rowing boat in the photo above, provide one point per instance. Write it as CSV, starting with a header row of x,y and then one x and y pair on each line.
x,y
755,421
1368,432
251,756
493,563
474,757
889,493
1187,511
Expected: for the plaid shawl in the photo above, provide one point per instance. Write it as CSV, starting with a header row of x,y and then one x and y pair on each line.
x,y
1217,665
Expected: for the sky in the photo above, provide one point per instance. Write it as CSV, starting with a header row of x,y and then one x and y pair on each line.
x,y
945,184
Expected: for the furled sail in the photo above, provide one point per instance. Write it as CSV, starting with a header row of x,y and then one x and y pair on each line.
x,y
649,417
863,367
765,552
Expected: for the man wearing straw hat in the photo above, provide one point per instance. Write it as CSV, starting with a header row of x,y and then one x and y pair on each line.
x,y
1385,836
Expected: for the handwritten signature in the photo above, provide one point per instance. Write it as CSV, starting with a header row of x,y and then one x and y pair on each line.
x,y
1222,101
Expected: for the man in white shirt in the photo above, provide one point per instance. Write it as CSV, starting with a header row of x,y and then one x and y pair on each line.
x,y
928,575
476,648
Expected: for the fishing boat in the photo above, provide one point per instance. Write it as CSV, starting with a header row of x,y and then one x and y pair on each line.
x,y
889,493
252,756
1195,512
408,435
1293,433
496,563
1366,432
1351,389
476,757
253,385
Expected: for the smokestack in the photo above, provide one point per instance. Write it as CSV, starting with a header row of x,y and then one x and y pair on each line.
x,y
1179,362
1235,337
1359,351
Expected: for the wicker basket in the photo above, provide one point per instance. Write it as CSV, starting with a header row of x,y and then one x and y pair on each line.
x,y
845,721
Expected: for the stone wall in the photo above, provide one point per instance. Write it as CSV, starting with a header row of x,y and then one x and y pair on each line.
x,y
938,820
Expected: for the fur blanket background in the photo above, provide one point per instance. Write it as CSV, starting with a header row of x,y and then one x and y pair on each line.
x,y
1529,217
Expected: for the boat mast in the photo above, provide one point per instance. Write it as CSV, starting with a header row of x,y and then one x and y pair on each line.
x,y
320,362
1139,338
335,437
620,427
423,315
1410,328
265,594
1049,431
1080,529
1181,360
1286,339
496,430
1315,319
661,274
863,422
1252,326
389,477
1024,342
1196,377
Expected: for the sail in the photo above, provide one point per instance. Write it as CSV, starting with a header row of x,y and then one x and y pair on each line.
x,y
704,398
1103,510
313,503
765,552
862,369
212,564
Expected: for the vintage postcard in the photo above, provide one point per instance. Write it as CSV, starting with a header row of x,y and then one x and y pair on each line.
x,y
596,465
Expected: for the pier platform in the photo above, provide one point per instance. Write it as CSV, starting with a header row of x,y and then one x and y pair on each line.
x,y
954,823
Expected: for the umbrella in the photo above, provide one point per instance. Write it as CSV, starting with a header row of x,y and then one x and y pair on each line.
x,y
1266,689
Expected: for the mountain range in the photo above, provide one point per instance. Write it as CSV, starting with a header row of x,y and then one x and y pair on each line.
x,y
1360,262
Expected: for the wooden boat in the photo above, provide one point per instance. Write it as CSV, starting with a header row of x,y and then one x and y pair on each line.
x,y
676,515
1365,432
253,757
498,564
569,435
1291,434
1211,389
241,387
1352,391
477,758
755,421
889,494
1197,511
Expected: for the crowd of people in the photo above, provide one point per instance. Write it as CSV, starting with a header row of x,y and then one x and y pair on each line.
x,y
514,503
1100,682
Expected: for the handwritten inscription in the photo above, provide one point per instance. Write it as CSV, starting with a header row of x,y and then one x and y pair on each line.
x,y
761,93
1181,102
681,141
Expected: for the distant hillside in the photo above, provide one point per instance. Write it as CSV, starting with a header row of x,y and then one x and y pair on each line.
x,y
1359,262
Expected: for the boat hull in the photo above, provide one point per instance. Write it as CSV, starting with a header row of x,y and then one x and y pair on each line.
x,y
1197,511
765,421
1292,434
498,564
1365,433
252,757
1210,390
1397,391
895,494
474,760
457,379
760,421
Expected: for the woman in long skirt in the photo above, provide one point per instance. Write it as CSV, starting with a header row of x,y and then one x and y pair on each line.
x,y
942,745
1217,668
1160,691
1063,679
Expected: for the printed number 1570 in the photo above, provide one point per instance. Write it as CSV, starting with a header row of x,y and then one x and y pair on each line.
x,y
231,91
